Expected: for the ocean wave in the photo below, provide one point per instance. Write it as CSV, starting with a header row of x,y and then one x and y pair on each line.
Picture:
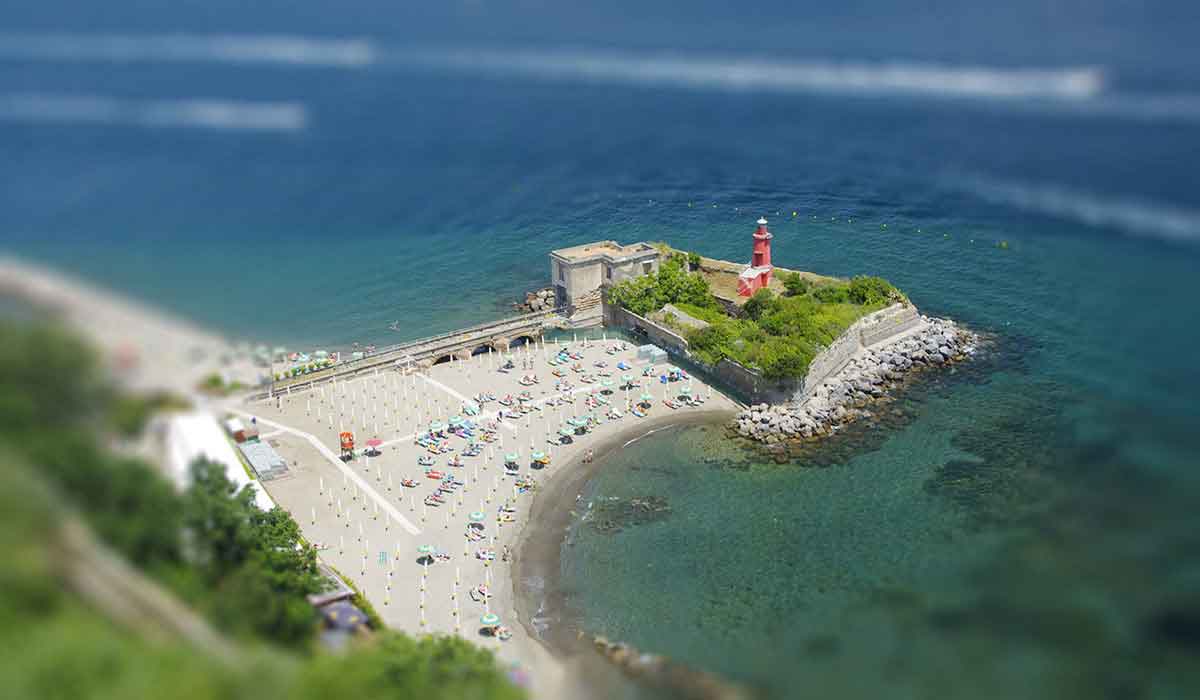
x,y
240,49
1129,216
192,113
1074,83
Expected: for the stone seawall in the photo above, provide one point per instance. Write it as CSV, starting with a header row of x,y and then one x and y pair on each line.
x,y
868,331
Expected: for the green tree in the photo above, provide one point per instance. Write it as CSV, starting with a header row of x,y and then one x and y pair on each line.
x,y
761,302
797,285
693,260
871,290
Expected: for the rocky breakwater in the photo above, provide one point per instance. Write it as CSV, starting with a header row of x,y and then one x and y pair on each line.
x,y
866,378
537,300
681,680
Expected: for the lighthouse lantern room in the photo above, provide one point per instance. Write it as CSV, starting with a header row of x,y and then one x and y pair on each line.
x,y
758,274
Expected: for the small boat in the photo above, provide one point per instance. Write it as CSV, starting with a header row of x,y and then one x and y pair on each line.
x,y
408,483
638,412
455,461
434,474
425,461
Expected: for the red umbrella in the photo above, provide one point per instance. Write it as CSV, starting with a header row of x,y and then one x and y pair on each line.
x,y
374,442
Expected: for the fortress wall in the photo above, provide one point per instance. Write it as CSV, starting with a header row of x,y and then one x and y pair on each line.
x,y
868,331
661,336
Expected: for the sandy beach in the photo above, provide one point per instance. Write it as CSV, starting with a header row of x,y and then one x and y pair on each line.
x,y
370,526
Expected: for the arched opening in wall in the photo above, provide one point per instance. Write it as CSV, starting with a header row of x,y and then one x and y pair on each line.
x,y
443,359
520,340
482,350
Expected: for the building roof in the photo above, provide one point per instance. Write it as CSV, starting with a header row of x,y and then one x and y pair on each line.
x,y
263,459
610,250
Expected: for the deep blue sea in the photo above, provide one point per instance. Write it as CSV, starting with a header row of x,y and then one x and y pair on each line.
x,y
307,173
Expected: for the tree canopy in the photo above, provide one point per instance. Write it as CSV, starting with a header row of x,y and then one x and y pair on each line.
x,y
672,284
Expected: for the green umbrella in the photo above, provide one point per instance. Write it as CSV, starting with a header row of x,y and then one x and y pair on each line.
x,y
490,620
626,378
607,382
427,549
456,420
511,457
647,397
538,456
685,392
477,516
437,425
566,431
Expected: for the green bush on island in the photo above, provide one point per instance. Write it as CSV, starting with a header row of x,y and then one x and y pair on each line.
x,y
245,569
795,283
672,284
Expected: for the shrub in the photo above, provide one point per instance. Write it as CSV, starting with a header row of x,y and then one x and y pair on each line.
x,y
693,259
832,293
763,301
797,285
871,290
671,285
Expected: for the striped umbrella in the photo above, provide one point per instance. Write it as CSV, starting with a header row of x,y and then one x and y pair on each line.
x,y
490,620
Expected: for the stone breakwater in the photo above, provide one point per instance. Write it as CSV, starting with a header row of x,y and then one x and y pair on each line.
x,y
682,680
537,300
844,396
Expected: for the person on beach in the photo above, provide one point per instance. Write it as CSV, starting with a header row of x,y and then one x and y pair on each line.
x,y
504,555
588,457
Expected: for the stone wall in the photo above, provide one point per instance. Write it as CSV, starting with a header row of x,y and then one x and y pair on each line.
x,y
659,335
870,330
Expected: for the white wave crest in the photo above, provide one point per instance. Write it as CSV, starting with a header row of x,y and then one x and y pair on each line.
x,y
263,49
791,76
194,113
1126,215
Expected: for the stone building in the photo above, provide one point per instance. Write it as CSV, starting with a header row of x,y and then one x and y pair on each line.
x,y
581,273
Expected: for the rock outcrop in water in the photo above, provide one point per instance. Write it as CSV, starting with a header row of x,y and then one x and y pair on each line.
x,y
867,377
537,300
687,682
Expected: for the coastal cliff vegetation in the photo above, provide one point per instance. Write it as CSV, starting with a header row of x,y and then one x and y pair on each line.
x,y
208,549
777,335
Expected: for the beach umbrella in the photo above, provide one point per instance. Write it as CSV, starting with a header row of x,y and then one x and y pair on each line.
x,y
490,620
437,425
456,420
566,431
685,392
477,516
647,397
374,442
511,457
538,456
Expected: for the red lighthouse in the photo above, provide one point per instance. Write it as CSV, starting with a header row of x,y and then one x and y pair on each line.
x,y
758,274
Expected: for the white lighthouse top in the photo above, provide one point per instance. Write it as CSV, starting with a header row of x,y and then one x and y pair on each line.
x,y
762,221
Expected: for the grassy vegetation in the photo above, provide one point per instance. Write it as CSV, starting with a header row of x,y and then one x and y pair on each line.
x,y
776,335
243,569
216,385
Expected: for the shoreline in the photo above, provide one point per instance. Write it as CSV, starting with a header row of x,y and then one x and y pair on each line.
x,y
535,569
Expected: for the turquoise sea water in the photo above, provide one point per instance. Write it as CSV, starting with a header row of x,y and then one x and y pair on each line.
x,y
1023,527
